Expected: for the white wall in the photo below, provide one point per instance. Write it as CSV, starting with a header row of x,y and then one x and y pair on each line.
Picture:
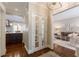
x,y
35,9
26,31
70,16
68,20
2,31
65,5
69,25
67,14
50,29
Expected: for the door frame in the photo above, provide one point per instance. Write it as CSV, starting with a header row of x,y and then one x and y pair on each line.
x,y
3,39
40,46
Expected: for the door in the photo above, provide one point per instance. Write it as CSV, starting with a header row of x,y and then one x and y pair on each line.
x,y
42,32
39,33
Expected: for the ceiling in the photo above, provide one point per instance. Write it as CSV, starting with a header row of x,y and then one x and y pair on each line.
x,y
16,8
14,18
23,7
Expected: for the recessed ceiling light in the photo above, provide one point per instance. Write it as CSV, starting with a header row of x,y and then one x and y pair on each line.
x,y
16,9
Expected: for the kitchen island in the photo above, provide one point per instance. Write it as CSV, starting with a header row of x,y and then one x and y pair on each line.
x,y
12,38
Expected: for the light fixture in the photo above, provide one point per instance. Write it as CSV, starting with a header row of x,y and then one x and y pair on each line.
x,y
57,26
11,24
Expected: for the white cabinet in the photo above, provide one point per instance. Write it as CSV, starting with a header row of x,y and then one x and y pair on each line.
x,y
39,32
37,26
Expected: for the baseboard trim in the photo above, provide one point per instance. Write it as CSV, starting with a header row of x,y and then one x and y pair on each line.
x,y
3,53
31,51
49,47
28,51
39,52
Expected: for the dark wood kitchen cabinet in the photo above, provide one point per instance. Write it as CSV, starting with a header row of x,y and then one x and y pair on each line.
x,y
12,38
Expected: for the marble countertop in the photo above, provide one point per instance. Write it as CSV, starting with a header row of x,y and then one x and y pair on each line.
x,y
12,32
64,44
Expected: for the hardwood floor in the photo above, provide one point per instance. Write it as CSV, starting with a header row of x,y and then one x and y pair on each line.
x,y
16,50
40,52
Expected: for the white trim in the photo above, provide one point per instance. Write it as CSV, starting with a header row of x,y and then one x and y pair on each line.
x,y
28,51
49,46
76,54
38,49
3,46
32,51
3,7
3,52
